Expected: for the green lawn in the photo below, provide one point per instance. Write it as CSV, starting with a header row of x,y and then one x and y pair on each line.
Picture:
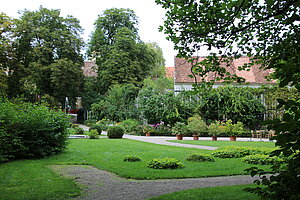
x,y
226,143
33,179
211,193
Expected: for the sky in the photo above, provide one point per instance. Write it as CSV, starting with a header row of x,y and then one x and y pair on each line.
x,y
150,16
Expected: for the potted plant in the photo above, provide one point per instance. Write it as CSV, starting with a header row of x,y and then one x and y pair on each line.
x,y
197,126
233,130
148,129
215,129
179,129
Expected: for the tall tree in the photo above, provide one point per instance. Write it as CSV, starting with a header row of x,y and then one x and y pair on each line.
x,y
268,32
120,55
46,43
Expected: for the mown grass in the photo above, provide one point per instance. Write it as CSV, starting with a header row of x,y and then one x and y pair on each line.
x,y
33,179
211,193
226,143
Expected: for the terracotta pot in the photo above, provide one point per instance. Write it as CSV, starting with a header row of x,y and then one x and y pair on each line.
x,y
214,138
179,137
195,137
147,134
232,138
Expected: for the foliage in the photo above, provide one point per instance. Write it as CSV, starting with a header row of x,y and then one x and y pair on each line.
x,y
196,125
148,128
216,128
200,157
74,125
118,104
120,55
129,125
115,132
227,102
46,62
261,159
234,129
93,134
31,131
131,158
97,127
179,129
158,107
268,33
237,152
78,131
165,163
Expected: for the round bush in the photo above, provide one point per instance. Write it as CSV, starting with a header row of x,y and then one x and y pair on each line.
x,y
200,157
31,131
79,131
97,127
131,158
115,132
261,159
93,134
165,163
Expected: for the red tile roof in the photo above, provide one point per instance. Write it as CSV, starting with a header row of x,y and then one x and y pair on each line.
x,y
254,75
170,72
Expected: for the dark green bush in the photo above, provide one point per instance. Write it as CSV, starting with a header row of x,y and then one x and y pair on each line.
x,y
237,152
115,132
93,134
31,131
165,163
79,131
261,159
131,158
200,157
97,127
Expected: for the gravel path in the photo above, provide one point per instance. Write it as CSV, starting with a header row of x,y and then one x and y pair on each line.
x,y
103,185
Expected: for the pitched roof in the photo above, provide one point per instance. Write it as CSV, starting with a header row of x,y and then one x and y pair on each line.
x,y
170,72
254,75
89,69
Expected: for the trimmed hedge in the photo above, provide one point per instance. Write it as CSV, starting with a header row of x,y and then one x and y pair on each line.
x,y
115,132
165,163
31,131
93,134
261,159
200,157
238,152
131,158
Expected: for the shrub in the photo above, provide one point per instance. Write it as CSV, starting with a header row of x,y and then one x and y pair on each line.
x,y
216,128
31,131
234,129
74,125
165,163
129,125
93,134
261,159
131,158
200,157
237,152
97,127
179,129
79,131
115,132
196,125
105,123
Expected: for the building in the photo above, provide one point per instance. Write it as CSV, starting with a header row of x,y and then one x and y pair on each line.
x,y
255,77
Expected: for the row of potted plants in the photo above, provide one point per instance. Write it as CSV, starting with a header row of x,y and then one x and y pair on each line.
x,y
198,127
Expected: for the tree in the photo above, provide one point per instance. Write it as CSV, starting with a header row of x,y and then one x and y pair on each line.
x,y
6,25
266,31
120,55
44,44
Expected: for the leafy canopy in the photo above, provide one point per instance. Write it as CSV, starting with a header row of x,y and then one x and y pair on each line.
x,y
266,31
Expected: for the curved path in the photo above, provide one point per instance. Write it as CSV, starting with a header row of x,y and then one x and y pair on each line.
x,y
103,185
